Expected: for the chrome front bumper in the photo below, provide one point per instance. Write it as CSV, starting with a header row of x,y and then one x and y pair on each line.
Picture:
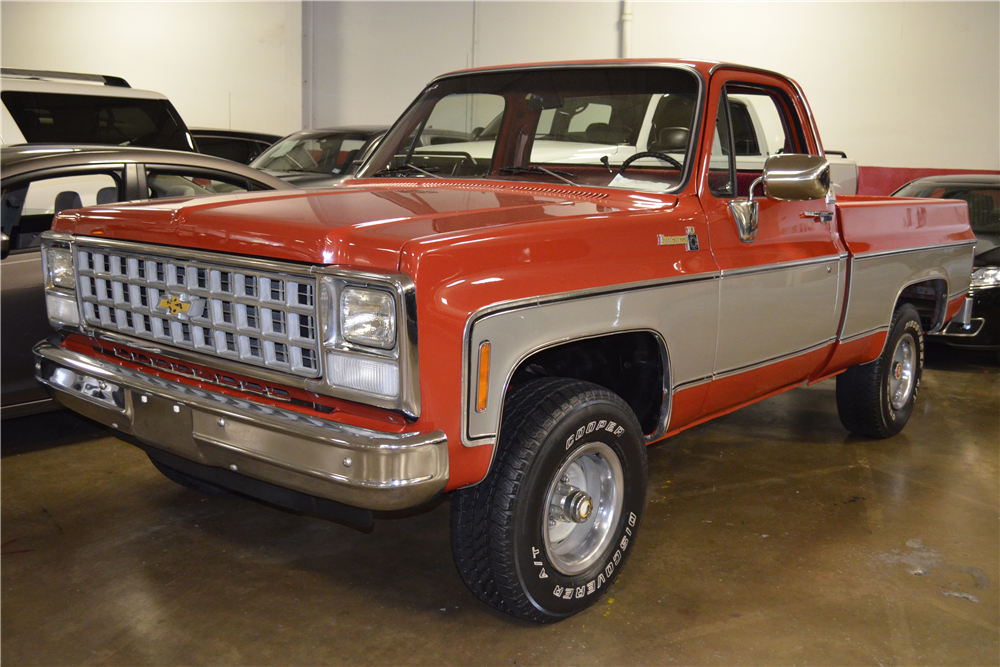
x,y
355,466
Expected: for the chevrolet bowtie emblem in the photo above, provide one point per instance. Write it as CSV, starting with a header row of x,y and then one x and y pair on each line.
x,y
175,305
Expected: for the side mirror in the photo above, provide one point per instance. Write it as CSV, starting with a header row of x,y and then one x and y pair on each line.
x,y
4,244
790,177
796,177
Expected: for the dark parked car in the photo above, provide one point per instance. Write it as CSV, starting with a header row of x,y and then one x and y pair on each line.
x,y
319,158
242,147
42,180
982,193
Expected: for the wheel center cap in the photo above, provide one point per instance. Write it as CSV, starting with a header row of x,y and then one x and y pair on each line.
x,y
898,371
580,506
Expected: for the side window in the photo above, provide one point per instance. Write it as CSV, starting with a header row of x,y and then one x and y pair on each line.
x,y
183,183
721,176
759,123
28,207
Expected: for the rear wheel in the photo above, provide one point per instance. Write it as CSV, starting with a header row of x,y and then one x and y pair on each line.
x,y
876,399
548,531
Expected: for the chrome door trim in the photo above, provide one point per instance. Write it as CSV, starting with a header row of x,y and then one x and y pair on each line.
x,y
781,266
864,334
773,360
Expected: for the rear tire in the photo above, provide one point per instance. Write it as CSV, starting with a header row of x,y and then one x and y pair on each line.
x,y
876,399
546,534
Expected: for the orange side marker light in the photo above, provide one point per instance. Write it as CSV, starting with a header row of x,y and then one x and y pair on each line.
x,y
484,376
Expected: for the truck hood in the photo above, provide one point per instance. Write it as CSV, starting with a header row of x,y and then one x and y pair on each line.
x,y
363,225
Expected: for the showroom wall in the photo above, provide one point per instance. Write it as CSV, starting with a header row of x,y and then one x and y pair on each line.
x,y
223,64
894,84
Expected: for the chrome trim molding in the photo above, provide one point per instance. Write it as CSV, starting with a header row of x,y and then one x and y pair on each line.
x,y
781,266
904,251
864,334
691,384
353,465
774,360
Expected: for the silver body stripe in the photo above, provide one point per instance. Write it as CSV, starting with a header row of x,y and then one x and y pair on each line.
x,y
878,278
766,314
674,310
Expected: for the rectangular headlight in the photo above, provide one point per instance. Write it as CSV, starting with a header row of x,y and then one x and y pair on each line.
x,y
59,270
368,317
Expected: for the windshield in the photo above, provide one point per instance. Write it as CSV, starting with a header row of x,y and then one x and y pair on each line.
x,y
984,202
628,127
317,154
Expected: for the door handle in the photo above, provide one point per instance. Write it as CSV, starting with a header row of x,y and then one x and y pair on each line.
x,y
826,217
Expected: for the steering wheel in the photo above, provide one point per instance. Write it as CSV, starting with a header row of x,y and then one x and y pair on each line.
x,y
656,154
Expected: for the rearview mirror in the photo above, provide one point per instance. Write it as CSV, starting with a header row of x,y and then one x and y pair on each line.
x,y
796,177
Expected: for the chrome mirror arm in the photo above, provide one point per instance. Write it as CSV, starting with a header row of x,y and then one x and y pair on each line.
x,y
744,213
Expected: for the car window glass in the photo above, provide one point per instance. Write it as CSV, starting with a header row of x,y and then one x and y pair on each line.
x,y
96,119
452,141
984,209
759,125
321,154
575,126
180,183
720,172
28,209
593,112
237,150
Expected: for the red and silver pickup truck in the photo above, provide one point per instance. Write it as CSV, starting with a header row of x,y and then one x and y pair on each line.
x,y
541,270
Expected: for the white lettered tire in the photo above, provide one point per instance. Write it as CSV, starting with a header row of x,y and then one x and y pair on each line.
x,y
547,533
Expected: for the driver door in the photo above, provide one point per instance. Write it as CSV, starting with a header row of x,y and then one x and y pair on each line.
x,y
781,290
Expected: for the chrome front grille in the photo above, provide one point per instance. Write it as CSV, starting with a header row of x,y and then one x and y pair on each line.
x,y
263,318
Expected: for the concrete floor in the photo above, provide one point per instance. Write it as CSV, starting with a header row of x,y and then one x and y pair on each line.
x,y
771,537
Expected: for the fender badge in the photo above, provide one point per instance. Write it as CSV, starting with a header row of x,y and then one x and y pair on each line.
x,y
690,241
175,305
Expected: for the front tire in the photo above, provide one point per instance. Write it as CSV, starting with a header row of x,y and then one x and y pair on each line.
x,y
548,531
876,399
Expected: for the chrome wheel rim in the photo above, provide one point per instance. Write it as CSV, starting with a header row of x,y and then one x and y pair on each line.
x,y
582,508
901,372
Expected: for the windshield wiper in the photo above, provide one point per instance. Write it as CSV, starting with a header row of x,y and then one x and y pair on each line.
x,y
406,167
561,175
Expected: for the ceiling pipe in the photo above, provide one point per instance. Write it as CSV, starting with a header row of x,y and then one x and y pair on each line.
x,y
626,45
